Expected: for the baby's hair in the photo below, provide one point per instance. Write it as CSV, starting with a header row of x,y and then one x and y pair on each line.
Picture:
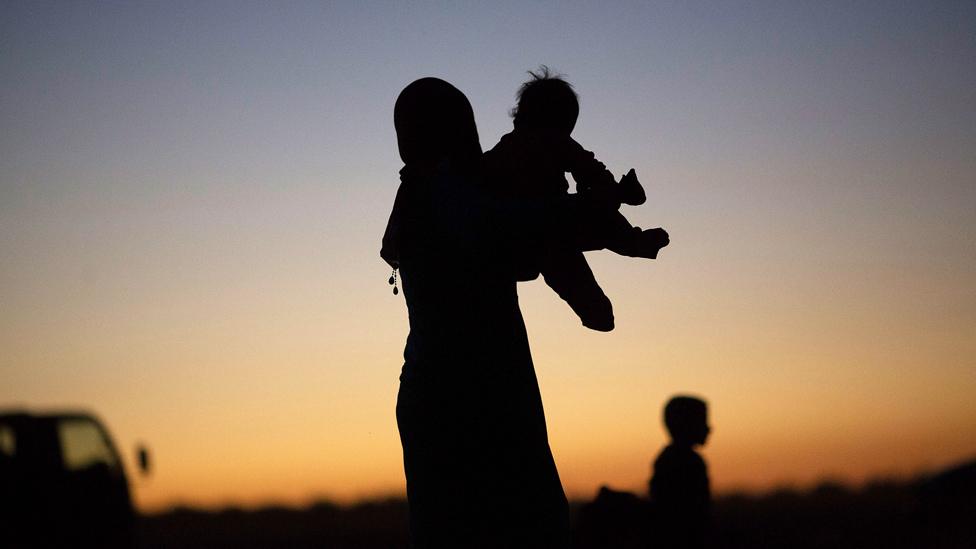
x,y
546,100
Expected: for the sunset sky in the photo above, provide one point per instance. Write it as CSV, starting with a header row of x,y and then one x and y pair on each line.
x,y
192,197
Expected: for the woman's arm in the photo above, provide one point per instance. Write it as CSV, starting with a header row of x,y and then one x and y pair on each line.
x,y
518,228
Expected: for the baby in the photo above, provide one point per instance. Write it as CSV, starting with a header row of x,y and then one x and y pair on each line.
x,y
531,162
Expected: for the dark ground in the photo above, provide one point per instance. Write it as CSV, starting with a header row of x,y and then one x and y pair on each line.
x,y
937,511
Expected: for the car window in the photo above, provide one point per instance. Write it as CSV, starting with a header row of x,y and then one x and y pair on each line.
x,y
83,445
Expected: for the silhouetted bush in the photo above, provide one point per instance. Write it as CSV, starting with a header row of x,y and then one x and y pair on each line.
x,y
935,511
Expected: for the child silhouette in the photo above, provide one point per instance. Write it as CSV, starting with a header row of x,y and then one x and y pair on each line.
x,y
679,486
531,162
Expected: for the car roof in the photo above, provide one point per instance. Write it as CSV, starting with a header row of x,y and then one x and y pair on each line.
x,y
24,415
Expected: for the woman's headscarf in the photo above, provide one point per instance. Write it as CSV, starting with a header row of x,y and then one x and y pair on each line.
x,y
435,126
434,122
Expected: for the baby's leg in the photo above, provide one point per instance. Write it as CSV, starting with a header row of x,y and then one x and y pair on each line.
x,y
570,276
613,232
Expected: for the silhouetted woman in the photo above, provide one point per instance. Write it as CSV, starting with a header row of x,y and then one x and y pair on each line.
x,y
476,455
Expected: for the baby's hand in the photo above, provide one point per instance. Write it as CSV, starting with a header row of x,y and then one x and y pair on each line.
x,y
630,190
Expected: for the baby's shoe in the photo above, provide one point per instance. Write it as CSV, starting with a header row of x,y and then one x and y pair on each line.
x,y
642,243
650,242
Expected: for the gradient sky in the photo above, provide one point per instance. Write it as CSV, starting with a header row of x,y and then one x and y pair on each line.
x,y
192,198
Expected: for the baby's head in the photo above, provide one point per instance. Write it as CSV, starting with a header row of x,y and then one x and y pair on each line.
x,y
686,418
546,102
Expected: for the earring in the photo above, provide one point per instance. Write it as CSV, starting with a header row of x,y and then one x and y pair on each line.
x,y
393,282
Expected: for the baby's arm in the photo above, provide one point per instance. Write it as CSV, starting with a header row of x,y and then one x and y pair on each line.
x,y
588,172
591,175
611,230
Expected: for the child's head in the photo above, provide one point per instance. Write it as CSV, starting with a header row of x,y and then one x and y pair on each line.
x,y
686,418
546,102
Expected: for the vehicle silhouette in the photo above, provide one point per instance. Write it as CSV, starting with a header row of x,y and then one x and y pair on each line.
x,y
63,482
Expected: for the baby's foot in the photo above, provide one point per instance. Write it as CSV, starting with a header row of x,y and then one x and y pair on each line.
x,y
630,190
651,241
642,243
598,316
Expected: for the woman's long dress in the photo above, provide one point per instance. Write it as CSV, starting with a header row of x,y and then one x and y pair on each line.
x,y
476,454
